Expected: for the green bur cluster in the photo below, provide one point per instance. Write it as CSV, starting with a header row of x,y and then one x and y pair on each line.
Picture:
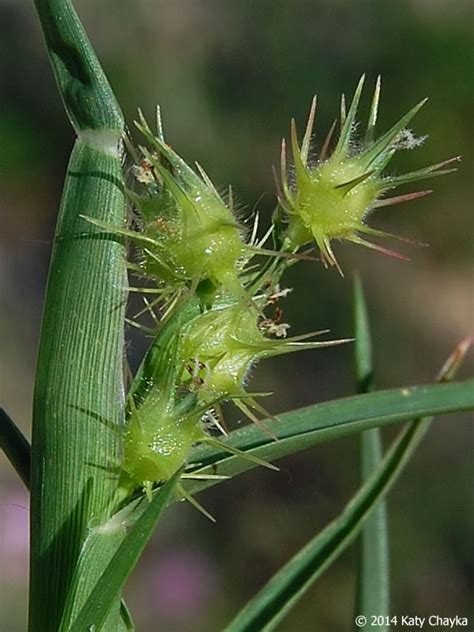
x,y
189,233
212,302
333,197
214,290
171,404
199,359
161,426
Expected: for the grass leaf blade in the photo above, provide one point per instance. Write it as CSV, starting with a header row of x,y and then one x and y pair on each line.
x,y
283,591
373,579
16,447
303,428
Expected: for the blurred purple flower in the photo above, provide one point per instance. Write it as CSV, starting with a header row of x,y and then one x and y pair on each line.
x,y
183,582
14,527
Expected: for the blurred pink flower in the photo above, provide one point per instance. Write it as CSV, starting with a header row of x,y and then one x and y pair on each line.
x,y
183,582
14,529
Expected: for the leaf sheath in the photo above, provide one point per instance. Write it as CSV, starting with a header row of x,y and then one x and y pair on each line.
x,y
79,400
78,405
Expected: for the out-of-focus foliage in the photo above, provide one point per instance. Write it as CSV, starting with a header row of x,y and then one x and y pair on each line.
x,y
229,75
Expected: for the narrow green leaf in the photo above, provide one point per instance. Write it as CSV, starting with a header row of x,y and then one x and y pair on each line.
x,y
16,447
86,93
78,401
95,610
373,578
363,342
283,591
301,429
126,622
304,428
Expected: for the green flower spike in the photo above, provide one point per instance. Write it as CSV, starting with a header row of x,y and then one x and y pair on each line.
x,y
189,234
159,429
332,198
222,345
165,418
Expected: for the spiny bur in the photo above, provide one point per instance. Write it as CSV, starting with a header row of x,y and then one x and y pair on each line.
x,y
189,235
332,198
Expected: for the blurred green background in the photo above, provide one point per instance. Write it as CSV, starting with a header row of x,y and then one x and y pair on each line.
x,y
229,75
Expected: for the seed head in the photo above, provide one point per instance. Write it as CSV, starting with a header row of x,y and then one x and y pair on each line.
x,y
189,233
332,199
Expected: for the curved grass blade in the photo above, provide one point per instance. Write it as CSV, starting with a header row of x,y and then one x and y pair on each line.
x,y
302,429
283,591
16,447
111,582
306,427
373,578
126,622
87,96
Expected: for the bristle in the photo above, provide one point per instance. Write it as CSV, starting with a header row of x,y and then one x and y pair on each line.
x,y
327,140
151,311
311,334
192,501
261,242
153,304
368,156
451,365
146,330
159,124
277,186
221,445
207,179
253,234
297,159
309,131
368,244
142,122
127,141
346,187
399,199
258,422
279,253
426,172
144,290
262,410
181,167
342,109
346,131
368,230
220,421
204,477
284,173
328,256
369,135
282,347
